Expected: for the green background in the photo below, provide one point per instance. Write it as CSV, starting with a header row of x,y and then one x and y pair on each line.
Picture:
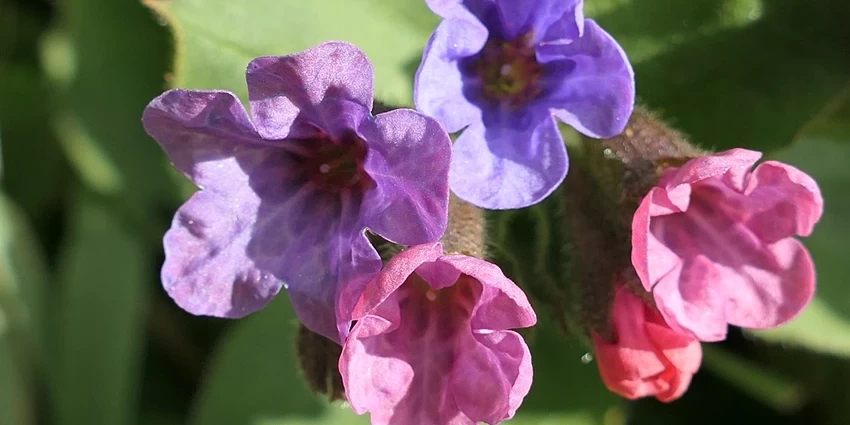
x,y
87,335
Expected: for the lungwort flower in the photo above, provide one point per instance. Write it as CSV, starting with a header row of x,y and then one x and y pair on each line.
x,y
646,357
432,343
287,191
714,242
503,70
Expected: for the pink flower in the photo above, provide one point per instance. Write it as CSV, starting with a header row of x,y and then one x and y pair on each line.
x,y
647,358
430,345
714,243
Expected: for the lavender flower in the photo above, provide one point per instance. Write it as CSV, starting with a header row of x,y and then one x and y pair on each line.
x,y
503,69
288,193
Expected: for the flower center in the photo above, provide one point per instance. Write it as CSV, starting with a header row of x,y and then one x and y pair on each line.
x,y
509,70
334,165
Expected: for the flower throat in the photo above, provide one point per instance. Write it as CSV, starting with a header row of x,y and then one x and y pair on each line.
x,y
509,70
335,165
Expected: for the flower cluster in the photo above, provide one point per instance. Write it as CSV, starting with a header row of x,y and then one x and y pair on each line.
x,y
291,188
712,245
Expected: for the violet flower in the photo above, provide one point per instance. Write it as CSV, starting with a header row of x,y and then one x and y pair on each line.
x,y
431,343
503,70
714,243
288,192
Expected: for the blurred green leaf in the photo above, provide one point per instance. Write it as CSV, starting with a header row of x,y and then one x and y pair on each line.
x,y
23,279
734,72
253,376
32,165
760,382
823,151
217,38
16,404
23,276
565,387
109,59
103,270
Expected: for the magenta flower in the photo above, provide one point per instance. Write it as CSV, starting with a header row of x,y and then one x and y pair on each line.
x,y
431,345
503,69
287,193
646,358
714,243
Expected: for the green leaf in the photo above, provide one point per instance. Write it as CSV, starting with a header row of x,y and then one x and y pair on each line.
x,y
109,59
732,72
823,152
32,164
217,38
104,270
23,277
253,376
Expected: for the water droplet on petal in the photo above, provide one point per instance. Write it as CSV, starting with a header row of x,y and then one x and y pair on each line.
x,y
324,168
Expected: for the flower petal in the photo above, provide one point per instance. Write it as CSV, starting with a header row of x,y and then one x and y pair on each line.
x,y
288,93
373,376
439,84
787,201
501,168
537,16
760,299
491,376
203,133
502,304
393,275
409,156
453,8
734,161
591,84
207,269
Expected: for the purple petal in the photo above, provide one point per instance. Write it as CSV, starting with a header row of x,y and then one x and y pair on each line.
x,y
439,83
591,84
289,93
521,16
311,241
204,134
501,168
460,8
409,155
207,268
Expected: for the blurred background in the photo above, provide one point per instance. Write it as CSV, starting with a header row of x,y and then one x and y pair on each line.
x,y
88,336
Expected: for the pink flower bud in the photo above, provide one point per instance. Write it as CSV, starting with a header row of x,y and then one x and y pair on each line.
x,y
646,358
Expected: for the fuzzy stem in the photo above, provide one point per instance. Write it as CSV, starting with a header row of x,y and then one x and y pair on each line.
x,y
466,233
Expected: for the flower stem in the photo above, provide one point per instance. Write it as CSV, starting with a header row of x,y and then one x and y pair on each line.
x,y
466,233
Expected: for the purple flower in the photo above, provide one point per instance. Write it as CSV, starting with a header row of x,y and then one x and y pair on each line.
x,y
432,343
288,192
504,69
